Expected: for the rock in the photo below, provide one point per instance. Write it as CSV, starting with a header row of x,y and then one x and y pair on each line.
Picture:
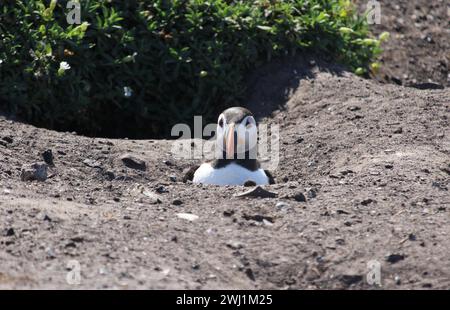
x,y
354,108
161,189
281,205
339,211
340,241
446,169
187,216
154,198
299,197
177,202
257,192
439,186
412,237
368,201
235,245
47,218
348,279
356,117
50,253
34,172
133,162
48,157
77,239
399,130
71,245
396,80
394,258
249,273
427,86
109,175
9,232
195,267
228,213
173,178
346,171
397,280
258,218
267,223
188,174
388,166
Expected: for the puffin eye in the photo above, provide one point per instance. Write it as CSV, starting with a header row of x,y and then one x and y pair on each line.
x,y
221,122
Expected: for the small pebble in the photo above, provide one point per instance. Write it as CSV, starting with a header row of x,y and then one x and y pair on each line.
x,y
9,232
34,172
398,130
394,258
187,216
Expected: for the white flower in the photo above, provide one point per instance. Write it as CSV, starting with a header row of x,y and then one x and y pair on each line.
x,y
63,66
127,91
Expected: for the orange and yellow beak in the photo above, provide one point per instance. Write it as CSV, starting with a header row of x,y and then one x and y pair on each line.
x,y
230,142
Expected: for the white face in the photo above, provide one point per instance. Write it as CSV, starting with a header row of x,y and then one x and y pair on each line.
x,y
236,138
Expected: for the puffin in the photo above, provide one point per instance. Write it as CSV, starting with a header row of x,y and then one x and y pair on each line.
x,y
235,162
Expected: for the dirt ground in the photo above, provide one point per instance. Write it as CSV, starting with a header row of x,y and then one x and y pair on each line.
x,y
372,160
418,51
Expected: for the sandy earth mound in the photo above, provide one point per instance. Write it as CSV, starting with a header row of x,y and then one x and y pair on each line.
x,y
371,160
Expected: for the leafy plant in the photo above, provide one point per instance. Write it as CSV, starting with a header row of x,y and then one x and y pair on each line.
x,y
134,68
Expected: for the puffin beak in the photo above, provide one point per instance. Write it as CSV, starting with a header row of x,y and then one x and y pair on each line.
x,y
230,142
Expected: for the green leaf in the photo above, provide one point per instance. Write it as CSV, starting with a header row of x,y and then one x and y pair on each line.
x,y
360,71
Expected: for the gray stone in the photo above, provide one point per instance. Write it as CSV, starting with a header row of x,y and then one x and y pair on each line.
x,y
34,172
300,197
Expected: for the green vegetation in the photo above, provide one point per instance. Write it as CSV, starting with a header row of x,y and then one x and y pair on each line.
x,y
134,68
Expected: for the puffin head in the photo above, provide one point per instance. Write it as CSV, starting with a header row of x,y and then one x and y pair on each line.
x,y
237,134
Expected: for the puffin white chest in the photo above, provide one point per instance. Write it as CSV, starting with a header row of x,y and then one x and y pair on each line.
x,y
231,174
